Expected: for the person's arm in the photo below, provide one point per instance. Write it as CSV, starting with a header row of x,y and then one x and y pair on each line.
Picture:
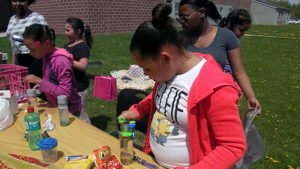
x,y
226,128
81,65
242,78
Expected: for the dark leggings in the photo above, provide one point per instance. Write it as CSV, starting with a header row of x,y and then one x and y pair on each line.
x,y
127,98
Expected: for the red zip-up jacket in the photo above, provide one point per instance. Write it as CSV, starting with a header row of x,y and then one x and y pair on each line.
x,y
215,132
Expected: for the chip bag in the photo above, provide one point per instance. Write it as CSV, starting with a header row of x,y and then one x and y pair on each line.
x,y
104,160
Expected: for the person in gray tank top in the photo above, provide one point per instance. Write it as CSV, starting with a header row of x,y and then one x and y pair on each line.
x,y
221,43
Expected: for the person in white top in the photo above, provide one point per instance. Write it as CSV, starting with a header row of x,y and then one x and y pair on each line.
x,y
16,26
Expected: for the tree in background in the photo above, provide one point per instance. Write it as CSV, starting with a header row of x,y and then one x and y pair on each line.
x,y
284,4
295,11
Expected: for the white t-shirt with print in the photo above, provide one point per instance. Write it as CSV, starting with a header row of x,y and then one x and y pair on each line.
x,y
169,126
17,27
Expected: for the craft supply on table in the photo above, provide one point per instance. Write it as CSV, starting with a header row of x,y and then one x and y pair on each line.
x,y
48,149
63,110
126,137
144,163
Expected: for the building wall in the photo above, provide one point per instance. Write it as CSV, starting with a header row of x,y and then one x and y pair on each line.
x,y
245,4
263,15
103,16
6,12
224,6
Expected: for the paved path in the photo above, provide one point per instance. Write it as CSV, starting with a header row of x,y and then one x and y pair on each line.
x,y
270,36
2,34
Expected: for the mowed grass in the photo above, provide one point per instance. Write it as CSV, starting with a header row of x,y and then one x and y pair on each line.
x,y
272,63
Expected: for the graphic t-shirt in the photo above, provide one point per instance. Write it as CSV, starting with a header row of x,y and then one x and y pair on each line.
x,y
168,131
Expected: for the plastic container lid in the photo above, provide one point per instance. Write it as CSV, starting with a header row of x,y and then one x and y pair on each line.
x,y
31,92
47,143
62,99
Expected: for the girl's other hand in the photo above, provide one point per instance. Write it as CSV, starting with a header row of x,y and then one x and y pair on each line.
x,y
129,115
253,103
32,79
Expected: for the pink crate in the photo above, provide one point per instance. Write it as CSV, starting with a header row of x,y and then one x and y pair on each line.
x,y
11,78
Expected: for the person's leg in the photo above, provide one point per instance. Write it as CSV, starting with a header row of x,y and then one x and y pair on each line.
x,y
83,115
127,98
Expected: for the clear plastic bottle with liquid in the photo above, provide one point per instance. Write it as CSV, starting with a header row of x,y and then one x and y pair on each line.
x,y
31,98
126,136
38,104
33,128
62,104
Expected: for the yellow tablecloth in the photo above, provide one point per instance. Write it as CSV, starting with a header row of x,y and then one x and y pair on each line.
x,y
79,138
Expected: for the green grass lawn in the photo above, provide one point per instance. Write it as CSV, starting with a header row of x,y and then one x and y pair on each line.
x,y
272,65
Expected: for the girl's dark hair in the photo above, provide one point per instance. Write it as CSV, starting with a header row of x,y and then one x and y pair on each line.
x,y
39,32
236,17
211,9
29,2
151,35
76,24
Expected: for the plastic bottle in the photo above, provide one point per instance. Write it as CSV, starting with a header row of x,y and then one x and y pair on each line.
x,y
38,105
62,103
33,128
13,105
126,142
31,98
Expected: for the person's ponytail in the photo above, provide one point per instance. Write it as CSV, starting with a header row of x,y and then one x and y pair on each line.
x,y
151,35
212,11
88,36
160,15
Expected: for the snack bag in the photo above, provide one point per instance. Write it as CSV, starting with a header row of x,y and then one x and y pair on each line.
x,y
80,164
104,160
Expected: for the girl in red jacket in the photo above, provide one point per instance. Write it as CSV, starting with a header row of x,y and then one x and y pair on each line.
x,y
193,114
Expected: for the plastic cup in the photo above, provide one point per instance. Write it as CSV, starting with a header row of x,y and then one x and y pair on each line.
x,y
48,149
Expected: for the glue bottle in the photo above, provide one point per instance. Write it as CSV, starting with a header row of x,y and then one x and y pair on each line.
x,y
62,103
31,98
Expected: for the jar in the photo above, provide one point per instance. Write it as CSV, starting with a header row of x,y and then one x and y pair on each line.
x,y
48,149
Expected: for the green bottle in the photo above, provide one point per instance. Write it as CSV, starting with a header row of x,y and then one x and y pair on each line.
x,y
33,128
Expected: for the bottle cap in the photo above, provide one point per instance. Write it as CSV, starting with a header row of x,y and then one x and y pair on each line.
x,y
30,109
30,92
62,99
37,91
131,125
122,120
47,143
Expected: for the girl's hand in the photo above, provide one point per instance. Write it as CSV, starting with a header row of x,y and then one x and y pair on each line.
x,y
33,79
253,103
129,115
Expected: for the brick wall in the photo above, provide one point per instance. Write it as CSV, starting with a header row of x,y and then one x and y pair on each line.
x,y
103,16
235,3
